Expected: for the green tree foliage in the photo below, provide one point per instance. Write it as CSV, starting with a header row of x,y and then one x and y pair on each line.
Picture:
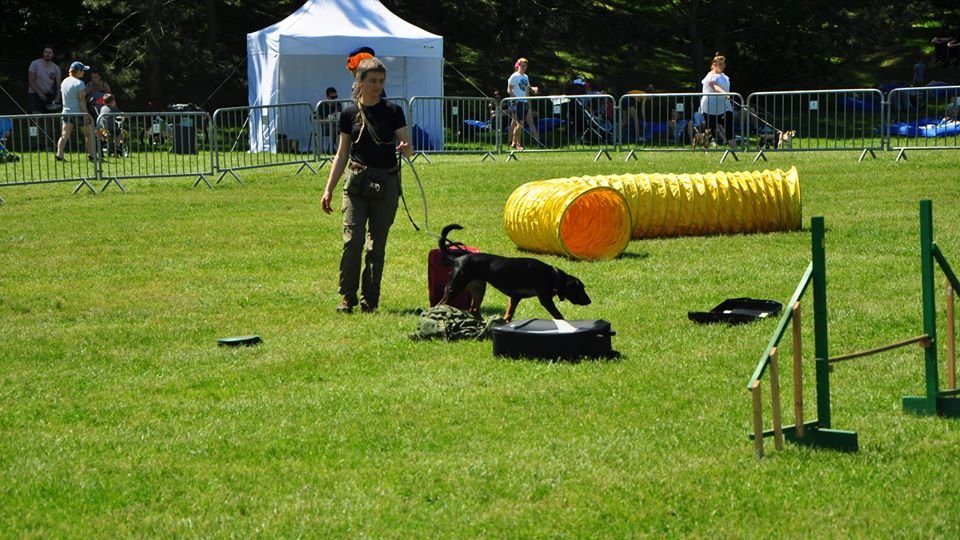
x,y
156,52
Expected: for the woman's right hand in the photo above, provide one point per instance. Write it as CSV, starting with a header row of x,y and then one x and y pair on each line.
x,y
325,201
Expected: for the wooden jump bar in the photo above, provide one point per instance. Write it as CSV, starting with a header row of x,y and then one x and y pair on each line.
x,y
951,338
923,340
757,419
775,399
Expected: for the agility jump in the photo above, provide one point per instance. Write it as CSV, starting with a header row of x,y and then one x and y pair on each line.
x,y
819,432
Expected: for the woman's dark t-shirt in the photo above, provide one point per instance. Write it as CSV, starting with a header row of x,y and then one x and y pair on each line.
x,y
384,119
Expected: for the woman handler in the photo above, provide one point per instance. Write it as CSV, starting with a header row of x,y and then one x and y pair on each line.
x,y
372,131
718,111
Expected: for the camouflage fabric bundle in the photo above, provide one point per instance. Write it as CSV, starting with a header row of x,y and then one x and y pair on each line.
x,y
451,324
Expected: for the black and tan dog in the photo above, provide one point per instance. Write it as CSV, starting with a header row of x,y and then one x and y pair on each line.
x,y
516,277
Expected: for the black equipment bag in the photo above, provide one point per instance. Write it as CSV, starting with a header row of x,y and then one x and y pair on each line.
x,y
737,311
553,339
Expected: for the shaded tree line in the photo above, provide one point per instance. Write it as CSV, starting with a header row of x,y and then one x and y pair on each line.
x,y
156,52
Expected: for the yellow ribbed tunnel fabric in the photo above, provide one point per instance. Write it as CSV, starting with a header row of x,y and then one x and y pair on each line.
x,y
568,216
575,219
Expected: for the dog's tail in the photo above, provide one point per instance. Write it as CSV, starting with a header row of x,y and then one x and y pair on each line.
x,y
446,244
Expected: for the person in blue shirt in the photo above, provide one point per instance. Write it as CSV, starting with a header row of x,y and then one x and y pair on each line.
x,y
74,105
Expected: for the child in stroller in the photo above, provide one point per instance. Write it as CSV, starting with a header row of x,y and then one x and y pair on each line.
x,y
110,128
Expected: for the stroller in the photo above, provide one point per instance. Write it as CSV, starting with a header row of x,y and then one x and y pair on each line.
x,y
6,126
112,136
592,126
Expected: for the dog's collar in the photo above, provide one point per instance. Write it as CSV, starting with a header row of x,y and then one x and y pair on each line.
x,y
556,282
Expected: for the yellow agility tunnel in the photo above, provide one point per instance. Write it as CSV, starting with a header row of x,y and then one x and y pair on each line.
x,y
658,205
573,218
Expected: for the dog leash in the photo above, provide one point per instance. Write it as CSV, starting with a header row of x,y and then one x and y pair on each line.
x,y
423,198
755,115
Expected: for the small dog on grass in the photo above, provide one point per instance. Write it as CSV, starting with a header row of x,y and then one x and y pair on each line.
x,y
785,140
516,277
701,138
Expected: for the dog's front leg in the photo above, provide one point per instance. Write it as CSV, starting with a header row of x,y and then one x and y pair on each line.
x,y
477,290
511,308
547,302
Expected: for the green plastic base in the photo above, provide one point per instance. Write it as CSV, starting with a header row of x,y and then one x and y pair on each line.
x,y
818,437
948,407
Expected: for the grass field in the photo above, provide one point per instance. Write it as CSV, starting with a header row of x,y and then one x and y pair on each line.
x,y
120,416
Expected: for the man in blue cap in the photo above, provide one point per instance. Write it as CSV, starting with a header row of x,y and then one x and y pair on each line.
x,y
74,99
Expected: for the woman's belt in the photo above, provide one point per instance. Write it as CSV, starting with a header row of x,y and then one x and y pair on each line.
x,y
354,166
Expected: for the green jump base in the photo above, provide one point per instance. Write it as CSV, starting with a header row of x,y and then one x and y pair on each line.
x,y
818,437
948,407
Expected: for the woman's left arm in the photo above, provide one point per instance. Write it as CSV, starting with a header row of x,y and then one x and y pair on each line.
x,y
403,142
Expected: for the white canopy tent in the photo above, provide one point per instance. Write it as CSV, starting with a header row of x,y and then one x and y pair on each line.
x,y
296,59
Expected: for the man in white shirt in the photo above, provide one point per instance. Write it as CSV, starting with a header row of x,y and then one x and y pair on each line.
x,y
42,79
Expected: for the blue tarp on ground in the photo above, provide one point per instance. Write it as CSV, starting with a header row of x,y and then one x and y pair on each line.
x,y
926,127
543,125
421,139
944,128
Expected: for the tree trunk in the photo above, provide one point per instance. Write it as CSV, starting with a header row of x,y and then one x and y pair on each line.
x,y
696,40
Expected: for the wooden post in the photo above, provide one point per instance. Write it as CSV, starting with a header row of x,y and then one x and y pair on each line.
x,y
951,340
775,399
757,420
797,370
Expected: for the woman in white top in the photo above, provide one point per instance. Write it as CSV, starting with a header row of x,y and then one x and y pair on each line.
x,y
718,110
518,86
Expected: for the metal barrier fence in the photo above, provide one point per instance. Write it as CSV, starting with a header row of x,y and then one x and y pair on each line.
x,y
673,122
327,115
188,143
454,125
923,118
28,150
567,123
847,119
264,136
154,145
